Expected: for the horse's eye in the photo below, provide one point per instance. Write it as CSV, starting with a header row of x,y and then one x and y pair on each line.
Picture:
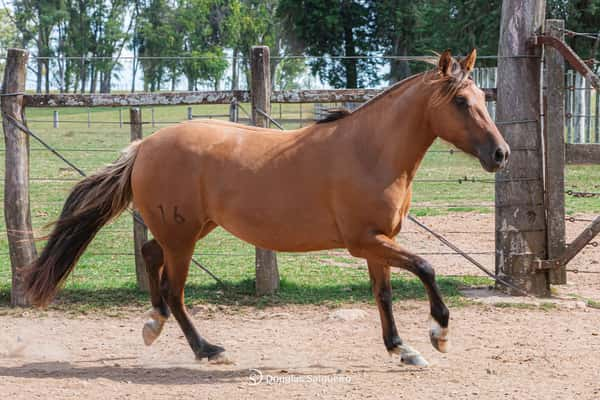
x,y
461,101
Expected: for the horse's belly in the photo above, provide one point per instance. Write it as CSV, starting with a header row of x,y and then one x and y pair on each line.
x,y
292,232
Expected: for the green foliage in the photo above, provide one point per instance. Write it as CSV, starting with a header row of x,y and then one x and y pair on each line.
x,y
8,35
395,30
210,30
459,25
579,16
333,28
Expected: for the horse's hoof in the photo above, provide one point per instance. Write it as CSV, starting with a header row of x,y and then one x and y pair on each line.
x,y
409,356
417,360
439,344
220,359
210,351
153,327
439,337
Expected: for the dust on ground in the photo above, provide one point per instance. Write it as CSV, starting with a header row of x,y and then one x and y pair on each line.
x,y
498,350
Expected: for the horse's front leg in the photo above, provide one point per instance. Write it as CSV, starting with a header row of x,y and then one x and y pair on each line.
x,y
381,252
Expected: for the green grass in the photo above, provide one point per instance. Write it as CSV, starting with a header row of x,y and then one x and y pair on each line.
x,y
545,306
105,274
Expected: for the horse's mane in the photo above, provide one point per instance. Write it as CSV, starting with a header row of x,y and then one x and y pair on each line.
x,y
333,114
451,84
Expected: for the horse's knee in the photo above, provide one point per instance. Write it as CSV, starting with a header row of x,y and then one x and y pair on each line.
x,y
424,270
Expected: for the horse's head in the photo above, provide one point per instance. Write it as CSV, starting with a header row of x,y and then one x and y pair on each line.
x,y
457,113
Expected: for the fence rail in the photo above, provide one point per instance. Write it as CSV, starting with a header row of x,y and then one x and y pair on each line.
x,y
214,97
486,78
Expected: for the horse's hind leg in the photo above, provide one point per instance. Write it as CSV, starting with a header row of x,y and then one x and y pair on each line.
x,y
382,291
154,259
171,287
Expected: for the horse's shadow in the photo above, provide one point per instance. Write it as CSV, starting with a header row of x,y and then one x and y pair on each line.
x,y
148,375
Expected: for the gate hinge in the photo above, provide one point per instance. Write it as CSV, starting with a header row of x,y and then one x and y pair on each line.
x,y
546,264
529,263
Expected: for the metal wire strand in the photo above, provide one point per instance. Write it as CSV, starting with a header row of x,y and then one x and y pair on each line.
x,y
138,219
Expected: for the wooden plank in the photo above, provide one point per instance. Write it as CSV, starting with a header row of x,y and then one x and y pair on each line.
x,y
555,150
519,99
215,97
267,273
596,117
582,153
579,107
140,232
17,212
588,234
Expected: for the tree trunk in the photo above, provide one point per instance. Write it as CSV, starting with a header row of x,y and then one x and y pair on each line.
x,y
349,51
234,71
93,78
399,69
133,71
38,75
47,75
83,74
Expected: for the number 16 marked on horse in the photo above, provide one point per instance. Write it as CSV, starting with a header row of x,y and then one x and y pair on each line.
x,y
344,182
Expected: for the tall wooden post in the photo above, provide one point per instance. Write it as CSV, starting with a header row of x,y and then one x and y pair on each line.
x,y
520,213
554,130
140,232
17,213
267,274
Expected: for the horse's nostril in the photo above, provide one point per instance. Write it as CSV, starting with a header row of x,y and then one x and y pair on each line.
x,y
499,155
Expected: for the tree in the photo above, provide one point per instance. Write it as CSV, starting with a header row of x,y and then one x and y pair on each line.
x,y
579,16
202,24
338,33
154,37
110,30
459,25
395,31
36,20
8,35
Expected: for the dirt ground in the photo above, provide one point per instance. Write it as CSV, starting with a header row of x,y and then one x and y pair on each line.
x,y
497,352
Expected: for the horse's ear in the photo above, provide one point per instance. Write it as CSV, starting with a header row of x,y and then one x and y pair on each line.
x,y
468,63
445,63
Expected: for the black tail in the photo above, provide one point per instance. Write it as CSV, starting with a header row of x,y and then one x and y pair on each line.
x,y
92,203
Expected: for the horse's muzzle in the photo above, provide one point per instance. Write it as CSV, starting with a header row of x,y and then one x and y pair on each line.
x,y
495,157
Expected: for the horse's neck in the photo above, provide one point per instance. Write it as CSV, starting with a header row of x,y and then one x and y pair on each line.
x,y
394,130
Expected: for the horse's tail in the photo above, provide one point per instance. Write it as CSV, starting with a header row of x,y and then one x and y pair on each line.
x,y
92,203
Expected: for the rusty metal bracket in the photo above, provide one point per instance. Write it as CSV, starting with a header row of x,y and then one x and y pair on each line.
x,y
569,54
540,265
529,263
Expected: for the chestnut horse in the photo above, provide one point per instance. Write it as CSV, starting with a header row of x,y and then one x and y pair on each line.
x,y
342,183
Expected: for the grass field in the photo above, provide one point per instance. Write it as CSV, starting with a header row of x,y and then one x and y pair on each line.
x,y
106,275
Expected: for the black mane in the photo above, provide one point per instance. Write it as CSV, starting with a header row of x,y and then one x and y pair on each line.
x,y
333,114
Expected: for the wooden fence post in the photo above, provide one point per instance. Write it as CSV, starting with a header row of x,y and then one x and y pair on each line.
x,y
555,149
140,232
267,274
17,213
520,213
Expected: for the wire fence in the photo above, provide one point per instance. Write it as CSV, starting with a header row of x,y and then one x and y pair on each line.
x,y
447,182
